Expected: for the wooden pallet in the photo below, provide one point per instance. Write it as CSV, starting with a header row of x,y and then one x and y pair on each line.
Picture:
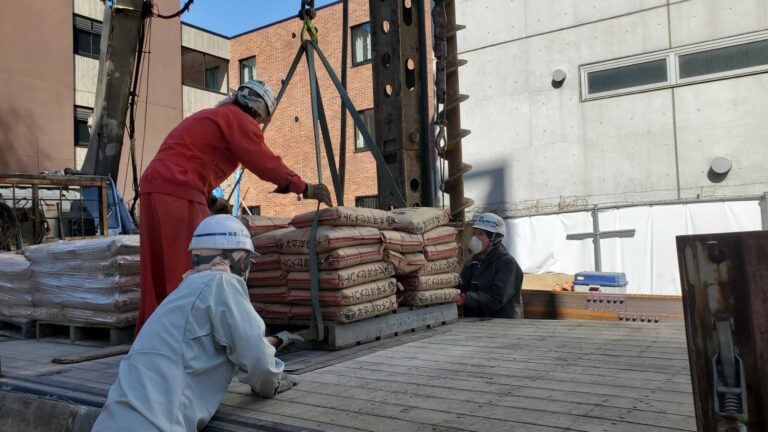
x,y
19,329
83,334
405,320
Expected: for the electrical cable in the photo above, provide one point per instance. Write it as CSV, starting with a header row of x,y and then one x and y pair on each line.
x,y
178,13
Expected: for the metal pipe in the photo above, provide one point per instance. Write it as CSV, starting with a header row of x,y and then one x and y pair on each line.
x,y
427,140
764,211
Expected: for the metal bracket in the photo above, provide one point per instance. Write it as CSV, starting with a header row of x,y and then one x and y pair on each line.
x,y
730,393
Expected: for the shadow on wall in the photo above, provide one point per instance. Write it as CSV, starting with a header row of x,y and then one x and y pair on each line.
x,y
494,177
19,151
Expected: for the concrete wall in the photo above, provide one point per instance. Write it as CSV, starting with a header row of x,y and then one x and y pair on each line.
x,y
159,95
196,99
93,9
536,148
36,84
86,77
204,41
290,132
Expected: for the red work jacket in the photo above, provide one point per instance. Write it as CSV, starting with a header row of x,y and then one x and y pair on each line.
x,y
205,148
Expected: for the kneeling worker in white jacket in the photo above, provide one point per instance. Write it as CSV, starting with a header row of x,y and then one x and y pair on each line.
x,y
204,333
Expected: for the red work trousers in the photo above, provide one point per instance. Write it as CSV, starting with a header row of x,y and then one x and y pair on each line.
x,y
166,227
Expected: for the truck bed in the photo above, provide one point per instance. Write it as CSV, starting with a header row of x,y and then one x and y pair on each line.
x,y
494,375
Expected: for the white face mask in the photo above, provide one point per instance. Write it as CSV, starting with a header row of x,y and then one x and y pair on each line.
x,y
475,245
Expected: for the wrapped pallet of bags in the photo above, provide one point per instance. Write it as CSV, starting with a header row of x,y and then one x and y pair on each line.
x,y
15,288
93,281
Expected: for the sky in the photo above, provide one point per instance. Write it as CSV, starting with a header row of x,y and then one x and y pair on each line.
x,y
231,17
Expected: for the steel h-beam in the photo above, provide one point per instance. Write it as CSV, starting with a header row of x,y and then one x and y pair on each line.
x,y
119,45
398,100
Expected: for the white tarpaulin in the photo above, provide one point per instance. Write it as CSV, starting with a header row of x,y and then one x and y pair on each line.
x,y
649,259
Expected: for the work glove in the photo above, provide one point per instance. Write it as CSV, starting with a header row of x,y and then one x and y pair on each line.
x,y
287,338
318,192
285,383
219,206
461,300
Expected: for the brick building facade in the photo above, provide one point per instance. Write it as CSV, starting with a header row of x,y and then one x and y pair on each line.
x,y
290,133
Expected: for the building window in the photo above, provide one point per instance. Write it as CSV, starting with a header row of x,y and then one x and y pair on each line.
x,y
367,116
724,58
211,78
255,210
204,71
87,36
82,134
627,77
247,69
361,44
370,201
719,60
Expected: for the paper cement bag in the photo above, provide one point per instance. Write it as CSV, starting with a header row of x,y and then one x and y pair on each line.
x,y
423,298
433,282
345,216
348,296
343,278
328,238
335,259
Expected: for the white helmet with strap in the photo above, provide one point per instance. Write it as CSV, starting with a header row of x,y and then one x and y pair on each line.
x,y
250,90
224,232
491,223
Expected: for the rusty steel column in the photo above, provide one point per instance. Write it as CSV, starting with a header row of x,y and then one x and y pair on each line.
x,y
398,105
449,99
723,278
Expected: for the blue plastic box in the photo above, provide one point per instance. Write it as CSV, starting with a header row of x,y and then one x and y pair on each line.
x,y
604,279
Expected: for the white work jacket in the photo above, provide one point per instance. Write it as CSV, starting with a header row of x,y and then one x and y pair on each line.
x,y
180,365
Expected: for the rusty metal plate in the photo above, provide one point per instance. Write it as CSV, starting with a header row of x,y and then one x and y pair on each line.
x,y
602,307
724,279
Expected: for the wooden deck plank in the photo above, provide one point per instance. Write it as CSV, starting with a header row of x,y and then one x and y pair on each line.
x,y
494,371
586,355
313,411
444,398
606,389
682,407
629,369
563,366
658,342
281,419
427,419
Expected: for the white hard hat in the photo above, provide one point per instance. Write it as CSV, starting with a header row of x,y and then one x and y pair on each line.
x,y
262,90
490,222
221,232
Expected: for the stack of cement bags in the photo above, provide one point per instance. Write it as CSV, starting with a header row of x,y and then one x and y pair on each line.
x,y
266,281
93,281
15,288
355,283
424,253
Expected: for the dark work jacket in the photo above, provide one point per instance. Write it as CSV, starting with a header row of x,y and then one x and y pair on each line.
x,y
493,285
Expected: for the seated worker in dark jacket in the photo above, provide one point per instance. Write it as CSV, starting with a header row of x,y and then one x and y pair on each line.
x,y
491,279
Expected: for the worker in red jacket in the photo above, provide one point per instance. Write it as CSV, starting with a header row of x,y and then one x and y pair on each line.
x,y
199,154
